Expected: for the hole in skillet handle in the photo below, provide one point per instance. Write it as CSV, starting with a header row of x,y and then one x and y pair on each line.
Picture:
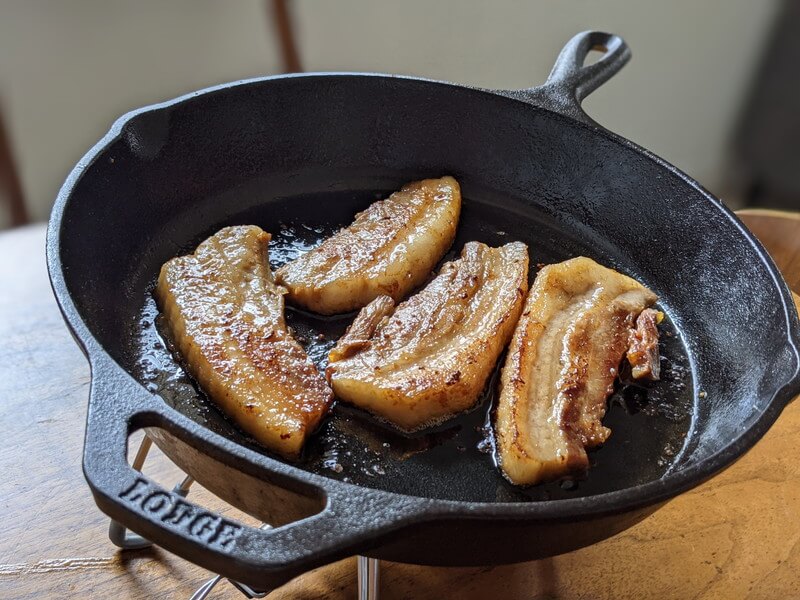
x,y
576,74
349,523
594,55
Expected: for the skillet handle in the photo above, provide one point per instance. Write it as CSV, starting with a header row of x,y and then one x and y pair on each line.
x,y
351,521
571,81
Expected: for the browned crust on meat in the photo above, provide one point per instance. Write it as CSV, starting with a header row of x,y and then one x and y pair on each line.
x,y
358,334
643,354
225,316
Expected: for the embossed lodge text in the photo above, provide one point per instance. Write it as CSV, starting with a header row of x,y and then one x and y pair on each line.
x,y
171,509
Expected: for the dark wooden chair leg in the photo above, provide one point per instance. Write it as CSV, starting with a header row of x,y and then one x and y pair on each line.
x,y
10,186
282,22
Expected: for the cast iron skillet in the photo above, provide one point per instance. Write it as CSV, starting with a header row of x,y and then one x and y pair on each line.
x,y
316,148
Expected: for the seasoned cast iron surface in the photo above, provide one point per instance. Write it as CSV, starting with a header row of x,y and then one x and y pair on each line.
x,y
455,460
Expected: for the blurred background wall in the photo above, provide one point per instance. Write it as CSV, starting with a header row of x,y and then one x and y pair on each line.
x,y
68,69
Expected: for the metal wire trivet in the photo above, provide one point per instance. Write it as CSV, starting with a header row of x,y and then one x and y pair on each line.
x,y
368,568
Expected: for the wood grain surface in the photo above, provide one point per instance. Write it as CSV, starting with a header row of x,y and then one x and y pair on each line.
x,y
737,536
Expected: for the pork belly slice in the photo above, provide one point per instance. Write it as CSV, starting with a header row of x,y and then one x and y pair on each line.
x,y
430,357
389,249
224,314
575,329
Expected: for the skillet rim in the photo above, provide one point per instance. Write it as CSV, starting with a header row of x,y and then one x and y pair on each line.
x,y
626,499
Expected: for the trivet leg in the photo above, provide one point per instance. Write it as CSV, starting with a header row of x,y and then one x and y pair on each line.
x,y
368,578
118,533
130,541
205,590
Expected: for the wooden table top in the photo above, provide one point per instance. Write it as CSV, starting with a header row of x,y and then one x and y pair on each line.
x,y
737,536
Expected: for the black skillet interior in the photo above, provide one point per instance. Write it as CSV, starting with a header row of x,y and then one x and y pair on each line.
x,y
312,150
454,460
